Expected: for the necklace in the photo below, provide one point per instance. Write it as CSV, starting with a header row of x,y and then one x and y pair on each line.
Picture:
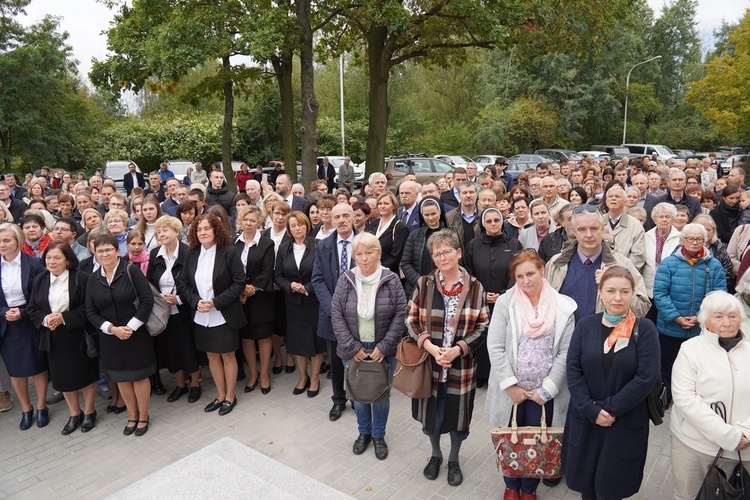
x,y
452,293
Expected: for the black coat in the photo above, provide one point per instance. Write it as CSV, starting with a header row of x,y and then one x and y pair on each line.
x,y
609,460
87,265
392,243
74,318
223,197
259,273
127,182
488,259
727,219
156,267
449,199
114,303
17,209
287,272
552,244
651,201
229,282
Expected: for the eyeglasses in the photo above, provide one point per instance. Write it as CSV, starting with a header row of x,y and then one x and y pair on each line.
x,y
62,230
579,209
525,250
442,255
104,251
690,239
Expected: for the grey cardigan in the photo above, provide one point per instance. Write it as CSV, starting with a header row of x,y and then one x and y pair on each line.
x,y
390,311
502,345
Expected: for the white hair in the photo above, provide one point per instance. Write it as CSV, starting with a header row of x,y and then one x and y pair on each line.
x,y
376,175
252,182
694,227
664,207
743,286
675,170
717,301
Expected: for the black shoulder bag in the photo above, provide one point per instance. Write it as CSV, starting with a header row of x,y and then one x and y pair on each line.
x,y
657,399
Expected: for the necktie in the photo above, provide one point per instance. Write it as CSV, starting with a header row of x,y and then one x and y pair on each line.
x,y
404,216
587,263
344,257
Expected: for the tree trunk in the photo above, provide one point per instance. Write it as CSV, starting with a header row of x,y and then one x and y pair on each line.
x,y
226,129
282,65
5,141
379,69
309,128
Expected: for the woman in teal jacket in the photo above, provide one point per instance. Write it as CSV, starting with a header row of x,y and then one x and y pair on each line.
x,y
682,281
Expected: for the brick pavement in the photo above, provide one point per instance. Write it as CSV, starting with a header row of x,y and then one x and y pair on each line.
x,y
293,430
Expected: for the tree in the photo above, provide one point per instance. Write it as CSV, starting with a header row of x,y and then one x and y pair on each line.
x,y
721,95
438,31
157,42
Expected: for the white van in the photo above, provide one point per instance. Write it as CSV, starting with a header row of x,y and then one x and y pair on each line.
x,y
648,149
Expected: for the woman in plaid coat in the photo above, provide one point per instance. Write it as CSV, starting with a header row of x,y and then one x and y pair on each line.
x,y
448,317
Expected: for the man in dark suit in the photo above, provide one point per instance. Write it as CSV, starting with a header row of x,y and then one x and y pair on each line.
x,y
13,181
155,187
676,195
132,179
16,207
333,256
450,197
284,188
326,172
408,212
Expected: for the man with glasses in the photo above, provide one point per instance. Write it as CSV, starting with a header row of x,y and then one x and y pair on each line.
x,y
675,195
575,271
535,187
65,230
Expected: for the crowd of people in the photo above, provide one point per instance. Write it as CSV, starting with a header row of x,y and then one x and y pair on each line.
x,y
567,291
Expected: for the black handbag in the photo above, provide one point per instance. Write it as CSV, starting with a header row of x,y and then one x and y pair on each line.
x,y
368,381
91,340
715,485
657,399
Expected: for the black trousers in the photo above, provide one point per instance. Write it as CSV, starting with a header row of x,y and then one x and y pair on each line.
x,y
337,374
670,347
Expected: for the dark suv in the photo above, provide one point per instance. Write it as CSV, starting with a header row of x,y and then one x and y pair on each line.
x,y
426,168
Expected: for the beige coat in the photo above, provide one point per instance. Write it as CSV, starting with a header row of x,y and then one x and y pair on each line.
x,y
557,269
737,245
628,237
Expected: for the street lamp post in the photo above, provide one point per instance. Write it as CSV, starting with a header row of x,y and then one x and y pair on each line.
x,y
627,86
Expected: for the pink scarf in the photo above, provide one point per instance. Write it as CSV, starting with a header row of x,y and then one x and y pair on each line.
x,y
141,259
539,321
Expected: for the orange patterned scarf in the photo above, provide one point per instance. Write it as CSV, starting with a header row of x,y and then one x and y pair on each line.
x,y
620,336
693,259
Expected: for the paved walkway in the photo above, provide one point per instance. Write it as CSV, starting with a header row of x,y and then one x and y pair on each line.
x,y
294,430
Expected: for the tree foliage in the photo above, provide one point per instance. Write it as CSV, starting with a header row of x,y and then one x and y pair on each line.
x,y
723,94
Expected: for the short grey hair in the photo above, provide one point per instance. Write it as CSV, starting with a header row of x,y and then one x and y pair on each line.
x,y
575,215
719,300
694,227
376,175
664,207
743,286
675,170
443,237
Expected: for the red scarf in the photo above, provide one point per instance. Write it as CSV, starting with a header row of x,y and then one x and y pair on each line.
x,y
141,259
693,259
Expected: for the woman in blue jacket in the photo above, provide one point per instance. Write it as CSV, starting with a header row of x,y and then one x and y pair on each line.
x,y
682,281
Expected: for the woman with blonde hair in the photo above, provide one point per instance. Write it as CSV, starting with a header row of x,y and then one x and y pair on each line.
x,y
118,223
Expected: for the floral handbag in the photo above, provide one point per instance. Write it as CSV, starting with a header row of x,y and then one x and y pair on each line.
x,y
533,452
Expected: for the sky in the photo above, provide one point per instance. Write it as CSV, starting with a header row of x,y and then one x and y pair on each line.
x,y
85,20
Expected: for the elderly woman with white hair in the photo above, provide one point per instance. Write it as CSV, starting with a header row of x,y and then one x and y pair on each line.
x,y
682,282
710,372
367,312
659,242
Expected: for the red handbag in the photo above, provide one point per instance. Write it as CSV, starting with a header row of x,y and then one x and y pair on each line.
x,y
532,452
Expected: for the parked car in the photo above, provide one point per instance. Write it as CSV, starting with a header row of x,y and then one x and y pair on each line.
x,y
337,161
648,149
455,160
235,165
426,169
271,166
484,160
179,167
116,170
734,160
598,155
614,152
530,158
683,154
559,155
730,150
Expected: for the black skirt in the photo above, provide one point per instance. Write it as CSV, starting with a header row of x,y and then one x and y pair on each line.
x,y
280,328
71,368
128,360
217,339
175,346
302,330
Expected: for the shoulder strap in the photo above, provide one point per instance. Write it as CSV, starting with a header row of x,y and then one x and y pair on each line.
x,y
430,293
130,277
634,335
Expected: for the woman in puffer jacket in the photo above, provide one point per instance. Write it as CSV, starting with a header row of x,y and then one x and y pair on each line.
x,y
367,315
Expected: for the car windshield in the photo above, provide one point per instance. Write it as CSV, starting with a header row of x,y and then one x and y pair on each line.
x,y
179,168
663,150
116,170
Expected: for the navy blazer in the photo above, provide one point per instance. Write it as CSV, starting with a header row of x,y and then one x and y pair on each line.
x,y
300,204
30,268
449,198
127,182
325,276
412,223
228,281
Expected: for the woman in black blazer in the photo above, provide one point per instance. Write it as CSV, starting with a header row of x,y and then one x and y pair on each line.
x,y
390,231
57,307
125,346
211,283
257,256
293,274
175,347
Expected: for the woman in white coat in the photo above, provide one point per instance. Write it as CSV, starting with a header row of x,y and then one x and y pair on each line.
x,y
713,367
528,343
660,242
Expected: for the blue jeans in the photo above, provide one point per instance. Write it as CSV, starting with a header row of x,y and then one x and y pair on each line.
x,y
529,413
371,418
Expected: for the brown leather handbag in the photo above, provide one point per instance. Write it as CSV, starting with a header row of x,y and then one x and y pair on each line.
x,y
413,376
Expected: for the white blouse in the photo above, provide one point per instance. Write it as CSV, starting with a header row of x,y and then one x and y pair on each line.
x,y
299,252
204,284
166,282
12,283
246,248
